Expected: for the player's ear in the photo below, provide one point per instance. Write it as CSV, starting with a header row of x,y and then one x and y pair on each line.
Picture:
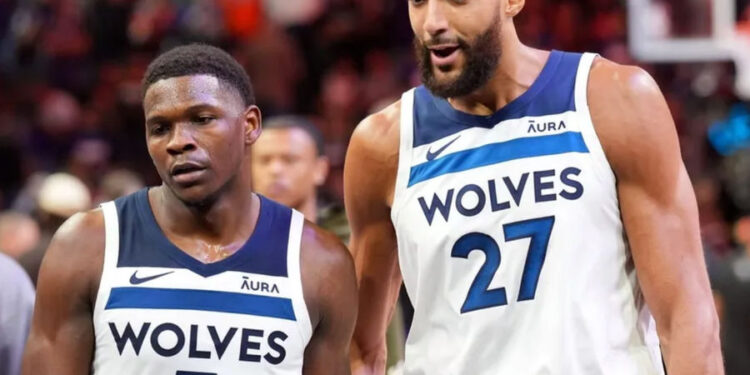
x,y
513,7
252,124
322,165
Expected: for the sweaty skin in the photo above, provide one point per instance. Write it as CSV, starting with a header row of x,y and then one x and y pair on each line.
x,y
638,135
195,118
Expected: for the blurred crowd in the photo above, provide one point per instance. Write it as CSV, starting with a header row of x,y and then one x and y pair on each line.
x,y
71,122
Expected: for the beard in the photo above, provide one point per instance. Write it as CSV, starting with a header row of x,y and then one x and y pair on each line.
x,y
481,60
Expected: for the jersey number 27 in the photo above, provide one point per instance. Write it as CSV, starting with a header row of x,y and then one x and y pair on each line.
x,y
480,296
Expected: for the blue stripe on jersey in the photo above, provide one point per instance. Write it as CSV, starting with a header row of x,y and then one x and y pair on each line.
x,y
552,92
201,300
495,153
143,244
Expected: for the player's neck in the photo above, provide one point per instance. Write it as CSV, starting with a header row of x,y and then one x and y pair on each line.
x,y
518,69
231,216
309,208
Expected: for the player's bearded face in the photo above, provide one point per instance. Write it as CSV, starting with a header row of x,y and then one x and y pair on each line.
x,y
480,61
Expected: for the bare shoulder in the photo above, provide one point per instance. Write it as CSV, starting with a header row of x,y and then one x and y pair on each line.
x,y
76,253
630,114
327,270
380,128
322,249
81,236
372,158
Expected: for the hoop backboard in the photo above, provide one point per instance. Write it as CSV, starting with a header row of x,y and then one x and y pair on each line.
x,y
690,31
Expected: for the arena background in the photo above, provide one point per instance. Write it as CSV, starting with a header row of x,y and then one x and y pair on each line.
x,y
70,75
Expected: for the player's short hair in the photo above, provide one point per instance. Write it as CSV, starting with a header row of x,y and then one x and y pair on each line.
x,y
298,122
195,59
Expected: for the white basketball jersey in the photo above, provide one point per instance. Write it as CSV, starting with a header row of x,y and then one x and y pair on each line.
x,y
161,312
510,239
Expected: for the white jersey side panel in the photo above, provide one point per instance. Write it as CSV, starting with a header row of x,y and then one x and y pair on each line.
x,y
510,239
154,315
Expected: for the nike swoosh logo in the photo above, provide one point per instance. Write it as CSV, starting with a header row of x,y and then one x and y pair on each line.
x,y
135,280
432,155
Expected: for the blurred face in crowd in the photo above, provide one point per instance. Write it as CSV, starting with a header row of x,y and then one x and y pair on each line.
x,y
198,133
286,166
457,43
19,234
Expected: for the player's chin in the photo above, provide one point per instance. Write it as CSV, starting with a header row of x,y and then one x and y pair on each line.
x,y
441,82
446,74
193,194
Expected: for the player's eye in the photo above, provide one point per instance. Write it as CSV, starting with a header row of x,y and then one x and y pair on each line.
x,y
159,129
203,119
289,159
417,2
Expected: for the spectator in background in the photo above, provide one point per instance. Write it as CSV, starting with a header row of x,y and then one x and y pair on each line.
x,y
19,234
340,107
88,160
16,308
66,46
288,164
60,196
59,120
118,183
730,279
275,62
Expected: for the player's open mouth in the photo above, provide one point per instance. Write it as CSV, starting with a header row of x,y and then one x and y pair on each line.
x,y
444,54
187,173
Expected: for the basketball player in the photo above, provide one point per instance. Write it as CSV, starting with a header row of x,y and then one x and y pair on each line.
x,y
537,207
198,275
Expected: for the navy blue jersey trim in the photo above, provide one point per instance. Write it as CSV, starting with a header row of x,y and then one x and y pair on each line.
x,y
200,300
495,153
552,92
143,244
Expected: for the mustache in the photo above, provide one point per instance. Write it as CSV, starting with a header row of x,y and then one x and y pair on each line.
x,y
436,41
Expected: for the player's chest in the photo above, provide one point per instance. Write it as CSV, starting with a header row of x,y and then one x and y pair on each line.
x,y
174,313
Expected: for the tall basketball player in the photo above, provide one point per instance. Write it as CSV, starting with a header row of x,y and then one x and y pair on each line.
x,y
199,275
536,206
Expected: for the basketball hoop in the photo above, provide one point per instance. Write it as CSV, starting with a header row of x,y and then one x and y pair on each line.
x,y
652,39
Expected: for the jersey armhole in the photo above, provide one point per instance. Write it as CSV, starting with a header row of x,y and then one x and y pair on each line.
x,y
294,267
111,254
406,136
603,168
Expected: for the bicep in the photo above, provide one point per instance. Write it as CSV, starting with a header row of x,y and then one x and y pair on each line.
x,y
369,178
328,349
368,182
61,339
657,201
665,242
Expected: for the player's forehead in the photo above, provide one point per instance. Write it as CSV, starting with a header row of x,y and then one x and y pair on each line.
x,y
188,91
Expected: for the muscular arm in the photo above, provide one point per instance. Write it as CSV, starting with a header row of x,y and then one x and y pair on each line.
x,y
330,289
369,179
61,340
659,213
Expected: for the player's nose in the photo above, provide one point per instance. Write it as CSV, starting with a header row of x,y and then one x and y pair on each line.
x,y
276,167
181,140
435,21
